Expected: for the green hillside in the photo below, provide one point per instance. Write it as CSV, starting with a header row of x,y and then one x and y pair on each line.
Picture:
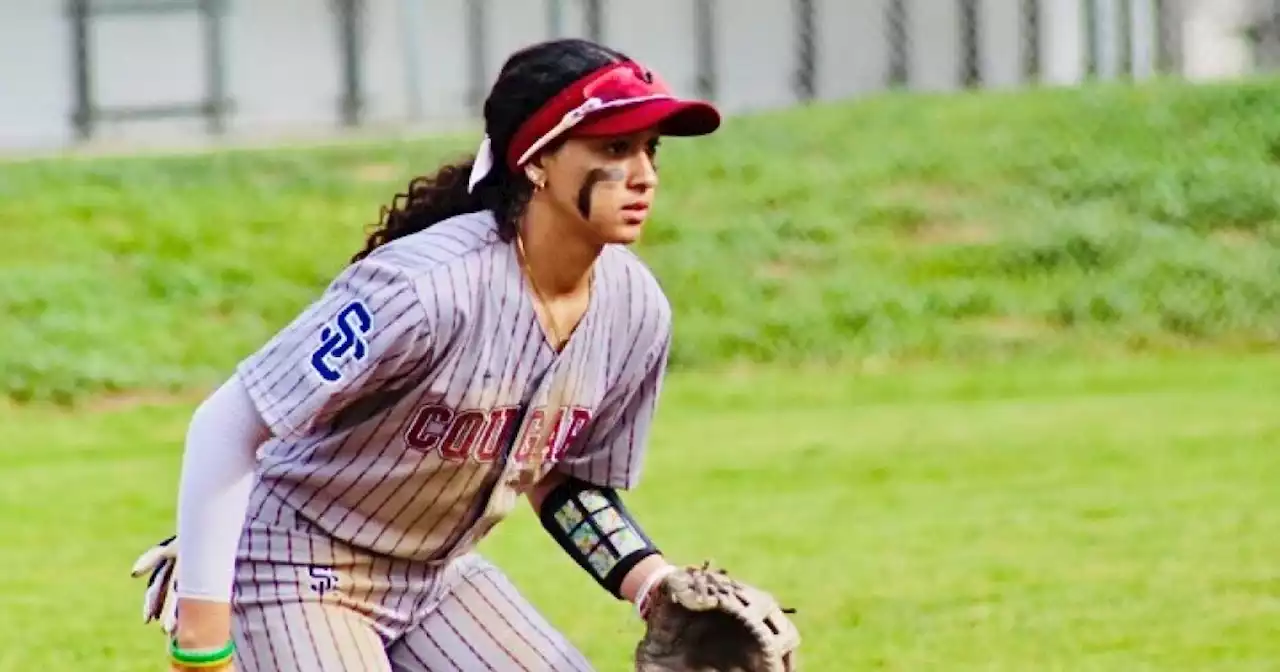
x,y
901,226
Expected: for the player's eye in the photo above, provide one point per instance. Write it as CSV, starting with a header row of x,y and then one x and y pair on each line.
x,y
651,150
618,148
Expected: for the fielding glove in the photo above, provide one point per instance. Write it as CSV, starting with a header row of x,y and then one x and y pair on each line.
x,y
699,619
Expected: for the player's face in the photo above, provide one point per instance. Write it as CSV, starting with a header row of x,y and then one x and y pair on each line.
x,y
606,185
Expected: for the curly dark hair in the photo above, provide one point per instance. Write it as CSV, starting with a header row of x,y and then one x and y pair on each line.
x,y
528,79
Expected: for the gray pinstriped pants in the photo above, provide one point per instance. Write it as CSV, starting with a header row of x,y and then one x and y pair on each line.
x,y
361,612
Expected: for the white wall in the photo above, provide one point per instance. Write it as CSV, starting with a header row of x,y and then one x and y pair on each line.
x,y
35,74
283,66
1212,32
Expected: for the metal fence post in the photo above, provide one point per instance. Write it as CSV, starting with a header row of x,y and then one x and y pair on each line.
x,y
897,41
1169,16
1030,40
213,12
86,112
1125,26
81,69
806,84
704,26
1143,26
970,27
593,16
1092,48
478,53
350,21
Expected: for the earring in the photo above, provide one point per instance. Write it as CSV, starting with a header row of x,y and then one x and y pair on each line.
x,y
539,181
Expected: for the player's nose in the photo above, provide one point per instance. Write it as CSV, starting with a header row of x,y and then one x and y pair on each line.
x,y
644,172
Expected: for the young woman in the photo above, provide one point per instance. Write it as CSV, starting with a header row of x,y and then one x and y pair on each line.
x,y
494,338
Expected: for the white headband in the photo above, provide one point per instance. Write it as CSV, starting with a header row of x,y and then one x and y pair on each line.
x,y
483,164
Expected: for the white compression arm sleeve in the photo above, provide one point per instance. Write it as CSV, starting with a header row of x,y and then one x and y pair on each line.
x,y
213,492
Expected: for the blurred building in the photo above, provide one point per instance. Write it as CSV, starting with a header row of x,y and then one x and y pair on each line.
x,y
181,71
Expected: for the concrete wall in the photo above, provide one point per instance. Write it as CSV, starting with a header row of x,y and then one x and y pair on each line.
x,y
283,67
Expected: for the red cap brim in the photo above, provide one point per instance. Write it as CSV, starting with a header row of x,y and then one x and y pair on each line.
x,y
671,117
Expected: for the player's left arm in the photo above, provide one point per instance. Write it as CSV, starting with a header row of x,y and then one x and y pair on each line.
x,y
579,502
624,562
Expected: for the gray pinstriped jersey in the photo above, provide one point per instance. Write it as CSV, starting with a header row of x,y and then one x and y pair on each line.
x,y
396,396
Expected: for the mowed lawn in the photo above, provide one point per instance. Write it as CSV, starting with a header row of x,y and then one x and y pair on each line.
x,y
1080,515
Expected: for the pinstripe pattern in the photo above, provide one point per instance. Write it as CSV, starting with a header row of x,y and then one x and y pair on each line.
x,y
324,638
611,455
332,615
403,425
483,623
380,614
378,458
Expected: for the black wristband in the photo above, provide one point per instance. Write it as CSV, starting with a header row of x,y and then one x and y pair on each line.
x,y
596,530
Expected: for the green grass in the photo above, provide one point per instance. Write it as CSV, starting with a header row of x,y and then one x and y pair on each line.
x,y
973,381
1121,515
903,226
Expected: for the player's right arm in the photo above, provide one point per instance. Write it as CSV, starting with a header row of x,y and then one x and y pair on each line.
x,y
370,329
214,484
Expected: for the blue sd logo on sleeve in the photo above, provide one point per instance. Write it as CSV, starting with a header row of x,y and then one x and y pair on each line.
x,y
343,337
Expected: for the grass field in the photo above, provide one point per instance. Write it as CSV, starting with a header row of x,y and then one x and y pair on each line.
x,y
906,226
974,382
1119,516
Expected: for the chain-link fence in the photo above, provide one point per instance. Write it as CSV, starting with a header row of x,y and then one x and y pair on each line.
x,y
414,61
907,224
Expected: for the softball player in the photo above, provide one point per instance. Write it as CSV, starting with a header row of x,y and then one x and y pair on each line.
x,y
494,338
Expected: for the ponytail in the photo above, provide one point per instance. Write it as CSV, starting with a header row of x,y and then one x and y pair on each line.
x,y
435,198
428,200
529,78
